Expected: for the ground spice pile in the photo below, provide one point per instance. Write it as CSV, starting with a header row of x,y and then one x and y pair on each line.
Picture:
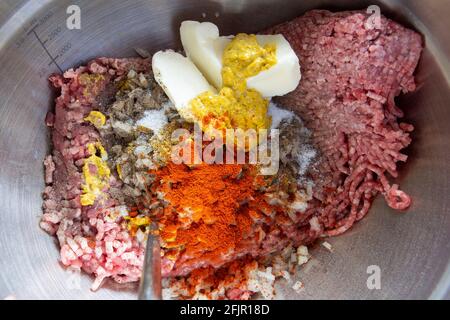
x,y
210,212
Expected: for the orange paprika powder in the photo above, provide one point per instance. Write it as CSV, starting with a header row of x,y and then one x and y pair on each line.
x,y
210,212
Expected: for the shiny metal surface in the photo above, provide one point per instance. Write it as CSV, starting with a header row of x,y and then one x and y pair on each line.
x,y
150,287
412,249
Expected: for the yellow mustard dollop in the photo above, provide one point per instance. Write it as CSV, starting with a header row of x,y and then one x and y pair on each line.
x,y
119,170
91,83
135,223
96,174
236,106
97,118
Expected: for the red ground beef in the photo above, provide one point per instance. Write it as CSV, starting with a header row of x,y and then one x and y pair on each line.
x,y
351,73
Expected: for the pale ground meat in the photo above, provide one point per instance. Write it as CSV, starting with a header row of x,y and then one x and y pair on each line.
x,y
91,238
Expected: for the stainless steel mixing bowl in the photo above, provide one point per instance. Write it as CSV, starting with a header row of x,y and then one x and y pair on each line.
x,y
411,249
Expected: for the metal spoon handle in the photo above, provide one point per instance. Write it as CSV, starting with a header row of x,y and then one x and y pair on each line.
x,y
150,286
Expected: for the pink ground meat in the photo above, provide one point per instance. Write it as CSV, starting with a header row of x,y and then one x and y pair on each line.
x,y
351,73
88,238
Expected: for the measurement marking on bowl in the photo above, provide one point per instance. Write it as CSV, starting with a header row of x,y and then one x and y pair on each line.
x,y
31,30
32,25
53,59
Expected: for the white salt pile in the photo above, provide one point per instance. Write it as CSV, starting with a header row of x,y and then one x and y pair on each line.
x,y
305,152
278,115
305,158
154,120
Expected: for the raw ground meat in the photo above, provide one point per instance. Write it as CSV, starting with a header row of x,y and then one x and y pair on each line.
x,y
351,73
88,238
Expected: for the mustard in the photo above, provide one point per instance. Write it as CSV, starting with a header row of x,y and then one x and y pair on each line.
x,y
236,106
135,223
97,118
119,170
96,174
91,83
